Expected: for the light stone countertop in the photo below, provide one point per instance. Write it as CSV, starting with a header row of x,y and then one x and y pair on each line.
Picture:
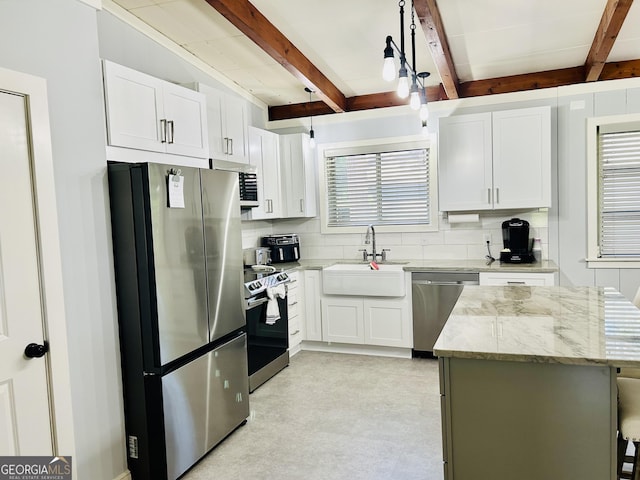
x,y
546,266
568,325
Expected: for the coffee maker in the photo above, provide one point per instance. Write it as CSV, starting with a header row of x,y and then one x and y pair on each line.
x,y
518,247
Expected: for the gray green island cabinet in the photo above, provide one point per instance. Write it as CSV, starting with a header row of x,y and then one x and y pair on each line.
x,y
528,381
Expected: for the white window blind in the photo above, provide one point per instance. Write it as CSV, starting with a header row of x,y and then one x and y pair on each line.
x,y
389,188
619,194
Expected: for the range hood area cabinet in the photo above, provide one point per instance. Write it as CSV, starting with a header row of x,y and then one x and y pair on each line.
x,y
227,125
265,157
297,169
495,160
286,175
146,113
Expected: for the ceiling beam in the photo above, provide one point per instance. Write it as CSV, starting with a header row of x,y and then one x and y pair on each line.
x,y
476,88
248,19
610,24
354,104
433,29
526,81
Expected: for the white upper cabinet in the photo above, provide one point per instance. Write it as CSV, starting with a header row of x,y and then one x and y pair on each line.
x,y
146,113
498,160
465,162
297,176
264,155
227,117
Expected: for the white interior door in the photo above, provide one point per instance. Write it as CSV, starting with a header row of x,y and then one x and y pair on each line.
x,y
25,427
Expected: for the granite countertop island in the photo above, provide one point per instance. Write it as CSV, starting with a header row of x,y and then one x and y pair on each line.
x,y
528,381
569,325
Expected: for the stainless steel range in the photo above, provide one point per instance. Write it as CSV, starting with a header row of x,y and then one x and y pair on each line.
x,y
267,341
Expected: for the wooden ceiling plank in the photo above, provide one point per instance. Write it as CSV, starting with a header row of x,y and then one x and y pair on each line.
x,y
610,24
248,19
433,29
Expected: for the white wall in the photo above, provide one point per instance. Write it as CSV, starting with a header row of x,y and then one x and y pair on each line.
x,y
562,228
451,241
575,105
57,40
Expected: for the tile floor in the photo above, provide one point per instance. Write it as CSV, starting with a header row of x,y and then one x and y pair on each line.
x,y
335,416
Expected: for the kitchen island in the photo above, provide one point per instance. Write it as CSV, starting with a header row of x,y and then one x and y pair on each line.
x,y
528,381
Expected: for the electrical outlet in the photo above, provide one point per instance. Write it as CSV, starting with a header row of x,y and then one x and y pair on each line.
x,y
487,237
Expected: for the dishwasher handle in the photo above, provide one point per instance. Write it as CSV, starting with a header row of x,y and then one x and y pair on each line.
x,y
439,282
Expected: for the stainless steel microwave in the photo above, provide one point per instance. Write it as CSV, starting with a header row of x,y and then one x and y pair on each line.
x,y
248,177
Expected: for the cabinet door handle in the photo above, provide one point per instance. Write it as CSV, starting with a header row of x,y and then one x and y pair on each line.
x,y
170,125
488,195
225,148
497,195
231,149
163,131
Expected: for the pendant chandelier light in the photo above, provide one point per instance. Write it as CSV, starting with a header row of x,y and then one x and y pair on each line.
x,y
312,139
416,90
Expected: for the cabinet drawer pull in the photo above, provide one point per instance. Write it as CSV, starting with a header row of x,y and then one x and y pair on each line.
x,y
513,282
295,333
170,129
163,131
292,304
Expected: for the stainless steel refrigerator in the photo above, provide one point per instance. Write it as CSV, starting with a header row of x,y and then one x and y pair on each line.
x,y
179,283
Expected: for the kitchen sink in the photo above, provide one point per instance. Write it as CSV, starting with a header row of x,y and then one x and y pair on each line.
x,y
359,279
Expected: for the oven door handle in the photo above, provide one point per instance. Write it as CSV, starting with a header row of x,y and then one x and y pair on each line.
x,y
254,303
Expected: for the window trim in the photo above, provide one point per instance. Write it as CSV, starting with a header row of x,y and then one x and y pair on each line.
x,y
621,122
380,145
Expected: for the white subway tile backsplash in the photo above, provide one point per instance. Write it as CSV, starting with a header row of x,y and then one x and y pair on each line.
x,y
463,237
444,252
457,241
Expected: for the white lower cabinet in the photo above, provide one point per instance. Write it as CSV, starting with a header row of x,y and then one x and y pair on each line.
x,y
295,292
515,278
367,321
312,310
387,323
343,320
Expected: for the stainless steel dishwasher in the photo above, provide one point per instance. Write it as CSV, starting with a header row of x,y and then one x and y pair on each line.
x,y
434,295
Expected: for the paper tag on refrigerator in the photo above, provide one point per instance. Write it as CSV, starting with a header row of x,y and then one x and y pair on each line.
x,y
176,191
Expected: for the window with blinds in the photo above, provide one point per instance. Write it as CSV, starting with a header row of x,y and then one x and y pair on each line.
x,y
619,193
388,188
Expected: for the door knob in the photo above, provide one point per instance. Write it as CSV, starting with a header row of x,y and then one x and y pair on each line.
x,y
34,350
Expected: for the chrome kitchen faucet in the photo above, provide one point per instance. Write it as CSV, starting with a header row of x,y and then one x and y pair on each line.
x,y
368,239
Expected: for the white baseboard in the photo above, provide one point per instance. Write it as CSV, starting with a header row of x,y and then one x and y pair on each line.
x,y
124,476
356,349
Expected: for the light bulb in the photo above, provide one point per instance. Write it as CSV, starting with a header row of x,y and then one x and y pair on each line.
x,y
312,139
403,87
425,129
424,112
414,102
389,69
